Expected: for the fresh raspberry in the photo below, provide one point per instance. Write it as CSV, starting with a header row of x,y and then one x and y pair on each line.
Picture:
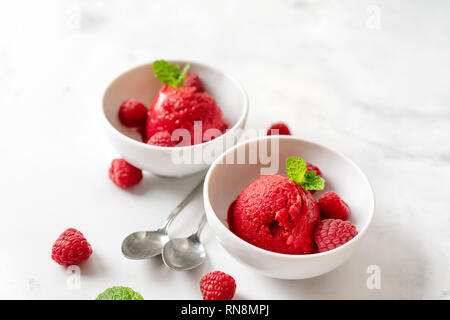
x,y
162,139
331,206
124,174
217,285
193,80
311,167
132,113
281,127
71,248
332,233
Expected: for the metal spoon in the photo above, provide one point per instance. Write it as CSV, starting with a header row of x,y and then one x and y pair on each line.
x,y
147,244
185,253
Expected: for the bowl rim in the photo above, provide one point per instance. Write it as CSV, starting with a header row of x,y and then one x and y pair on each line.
x,y
208,206
238,123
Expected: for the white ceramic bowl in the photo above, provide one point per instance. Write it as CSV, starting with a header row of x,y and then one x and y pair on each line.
x,y
224,182
140,83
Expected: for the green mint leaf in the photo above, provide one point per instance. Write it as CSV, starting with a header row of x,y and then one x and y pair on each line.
x,y
119,293
296,169
312,181
170,74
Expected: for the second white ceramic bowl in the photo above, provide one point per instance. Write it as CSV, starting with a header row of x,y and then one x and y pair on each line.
x,y
225,180
141,83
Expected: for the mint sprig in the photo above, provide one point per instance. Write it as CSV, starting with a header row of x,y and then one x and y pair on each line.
x,y
170,74
312,181
296,169
119,293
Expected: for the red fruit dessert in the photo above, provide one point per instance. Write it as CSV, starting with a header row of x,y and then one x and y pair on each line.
x,y
162,139
217,285
332,233
71,248
132,113
279,129
124,174
331,206
193,80
178,108
276,214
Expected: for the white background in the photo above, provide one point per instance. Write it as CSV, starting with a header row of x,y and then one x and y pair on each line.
x,y
377,92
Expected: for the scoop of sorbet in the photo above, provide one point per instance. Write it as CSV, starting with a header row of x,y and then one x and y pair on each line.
x,y
193,80
276,214
179,108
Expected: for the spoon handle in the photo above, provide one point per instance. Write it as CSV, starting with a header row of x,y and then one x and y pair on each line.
x,y
200,226
181,206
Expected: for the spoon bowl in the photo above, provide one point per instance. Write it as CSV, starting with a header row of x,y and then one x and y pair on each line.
x,y
184,254
147,244
144,244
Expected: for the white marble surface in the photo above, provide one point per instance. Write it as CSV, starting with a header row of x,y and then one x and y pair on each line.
x,y
378,93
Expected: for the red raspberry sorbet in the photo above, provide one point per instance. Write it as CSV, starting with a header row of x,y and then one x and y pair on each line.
x,y
178,108
193,80
276,214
